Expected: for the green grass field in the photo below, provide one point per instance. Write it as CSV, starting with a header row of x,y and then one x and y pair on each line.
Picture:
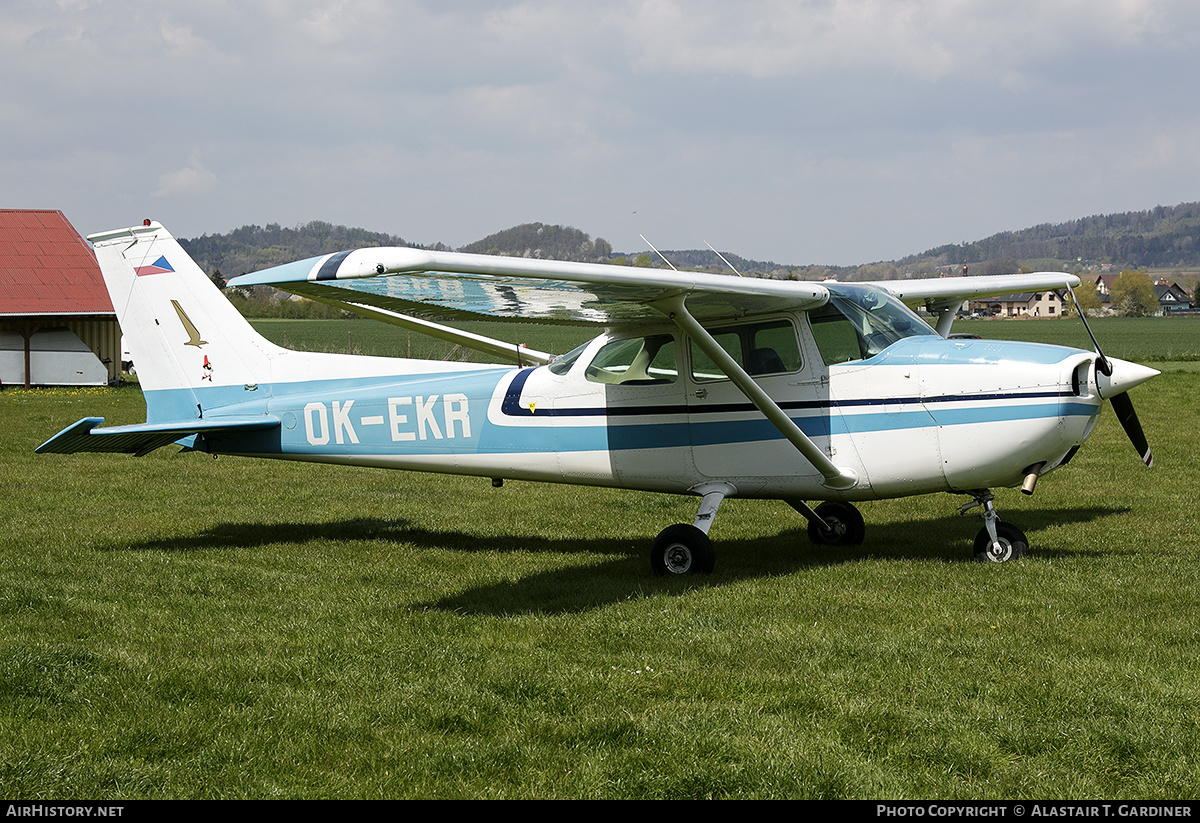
x,y
182,627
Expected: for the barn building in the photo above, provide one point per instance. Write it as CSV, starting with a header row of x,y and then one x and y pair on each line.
x,y
57,325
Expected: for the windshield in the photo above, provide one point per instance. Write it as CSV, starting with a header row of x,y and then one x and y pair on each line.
x,y
860,321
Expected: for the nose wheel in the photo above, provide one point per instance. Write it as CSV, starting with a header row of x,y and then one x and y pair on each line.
x,y
997,541
1009,544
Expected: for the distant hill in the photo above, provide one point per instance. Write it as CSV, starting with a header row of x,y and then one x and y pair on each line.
x,y
1163,237
252,248
545,242
567,243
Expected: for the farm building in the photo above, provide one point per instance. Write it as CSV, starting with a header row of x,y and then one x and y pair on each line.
x,y
57,325
1031,304
1171,297
1104,284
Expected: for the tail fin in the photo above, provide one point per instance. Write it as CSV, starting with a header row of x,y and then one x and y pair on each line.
x,y
183,334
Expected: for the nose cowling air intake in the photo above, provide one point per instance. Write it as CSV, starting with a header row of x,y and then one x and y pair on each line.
x,y
1114,379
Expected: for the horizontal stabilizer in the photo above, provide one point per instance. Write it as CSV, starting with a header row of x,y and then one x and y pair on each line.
x,y
142,438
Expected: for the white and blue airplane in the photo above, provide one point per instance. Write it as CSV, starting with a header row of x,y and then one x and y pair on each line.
x,y
708,385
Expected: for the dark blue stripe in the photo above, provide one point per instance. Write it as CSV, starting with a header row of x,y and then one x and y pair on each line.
x,y
329,267
511,405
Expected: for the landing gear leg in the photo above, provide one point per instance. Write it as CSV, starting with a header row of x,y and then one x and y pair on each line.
x,y
685,548
997,541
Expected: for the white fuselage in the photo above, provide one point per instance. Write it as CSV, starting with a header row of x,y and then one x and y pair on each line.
x,y
923,415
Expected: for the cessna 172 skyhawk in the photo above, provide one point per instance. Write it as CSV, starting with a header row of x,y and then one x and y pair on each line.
x,y
700,384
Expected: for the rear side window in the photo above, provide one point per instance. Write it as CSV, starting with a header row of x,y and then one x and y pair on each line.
x,y
562,365
635,361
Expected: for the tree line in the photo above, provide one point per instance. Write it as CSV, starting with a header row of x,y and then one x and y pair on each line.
x,y
1162,237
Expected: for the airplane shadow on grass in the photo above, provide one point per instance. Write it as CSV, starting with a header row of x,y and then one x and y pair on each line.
x,y
587,586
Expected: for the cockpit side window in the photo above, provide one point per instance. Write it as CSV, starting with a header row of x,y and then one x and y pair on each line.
x,y
836,338
759,348
773,348
705,369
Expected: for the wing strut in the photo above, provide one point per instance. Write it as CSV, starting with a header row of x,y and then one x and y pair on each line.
x,y
945,322
836,477
491,346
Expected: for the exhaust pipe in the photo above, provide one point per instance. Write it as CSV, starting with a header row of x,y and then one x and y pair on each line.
x,y
1031,477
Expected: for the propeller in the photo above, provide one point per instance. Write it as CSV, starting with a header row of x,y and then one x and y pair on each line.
x,y
1114,379
1114,387
1123,406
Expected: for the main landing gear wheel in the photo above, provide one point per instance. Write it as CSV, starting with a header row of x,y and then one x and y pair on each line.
x,y
1010,544
682,549
845,525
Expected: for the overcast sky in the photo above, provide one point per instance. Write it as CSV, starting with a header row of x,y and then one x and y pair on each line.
x,y
800,132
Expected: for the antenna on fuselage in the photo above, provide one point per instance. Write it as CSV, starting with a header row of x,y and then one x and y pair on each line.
x,y
723,260
656,251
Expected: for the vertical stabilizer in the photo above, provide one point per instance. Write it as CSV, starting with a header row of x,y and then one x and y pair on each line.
x,y
186,340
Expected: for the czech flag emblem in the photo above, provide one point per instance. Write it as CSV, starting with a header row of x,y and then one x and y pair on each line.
x,y
160,266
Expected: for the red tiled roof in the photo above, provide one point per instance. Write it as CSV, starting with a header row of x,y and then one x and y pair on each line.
x,y
46,267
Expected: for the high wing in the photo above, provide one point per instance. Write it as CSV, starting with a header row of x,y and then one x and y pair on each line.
x,y
944,296
457,285
940,293
453,284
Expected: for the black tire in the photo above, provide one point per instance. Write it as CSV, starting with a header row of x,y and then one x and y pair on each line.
x,y
1013,544
846,526
682,549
